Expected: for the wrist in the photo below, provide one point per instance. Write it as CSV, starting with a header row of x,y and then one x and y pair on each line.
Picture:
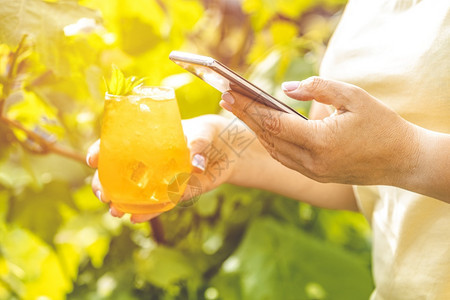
x,y
240,146
224,155
252,163
408,150
429,163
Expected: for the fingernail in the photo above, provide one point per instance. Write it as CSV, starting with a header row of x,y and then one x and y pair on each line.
x,y
289,86
98,194
88,158
227,97
198,161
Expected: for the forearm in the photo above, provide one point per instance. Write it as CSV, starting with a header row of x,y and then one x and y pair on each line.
x,y
257,169
430,175
427,168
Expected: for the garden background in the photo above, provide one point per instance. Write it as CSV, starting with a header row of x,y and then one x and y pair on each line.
x,y
57,241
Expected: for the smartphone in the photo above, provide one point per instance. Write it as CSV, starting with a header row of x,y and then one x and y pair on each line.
x,y
224,79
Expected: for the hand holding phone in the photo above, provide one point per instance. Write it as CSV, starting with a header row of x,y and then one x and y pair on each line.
x,y
224,79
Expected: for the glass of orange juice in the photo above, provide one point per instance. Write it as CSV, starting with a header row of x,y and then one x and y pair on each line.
x,y
143,151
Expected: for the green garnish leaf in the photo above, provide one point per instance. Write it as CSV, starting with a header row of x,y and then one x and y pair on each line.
x,y
120,85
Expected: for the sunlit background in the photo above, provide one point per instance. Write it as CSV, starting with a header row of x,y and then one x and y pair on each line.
x,y
57,241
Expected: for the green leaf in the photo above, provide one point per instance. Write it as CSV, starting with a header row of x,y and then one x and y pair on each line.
x,y
197,98
36,115
345,228
12,173
279,261
165,267
38,18
261,11
24,209
98,250
137,36
34,263
207,206
4,204
283,32
121,85
85,199
293,8
44,23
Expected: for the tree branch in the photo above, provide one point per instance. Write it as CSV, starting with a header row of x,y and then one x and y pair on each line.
x,y
45,145
158,230
9,288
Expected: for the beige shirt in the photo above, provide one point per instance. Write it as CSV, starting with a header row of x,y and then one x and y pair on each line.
x,y
399,51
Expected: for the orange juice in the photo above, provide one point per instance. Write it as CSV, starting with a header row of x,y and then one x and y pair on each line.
x,y
142,151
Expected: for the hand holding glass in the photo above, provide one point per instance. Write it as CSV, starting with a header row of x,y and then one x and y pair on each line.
x,y
144,161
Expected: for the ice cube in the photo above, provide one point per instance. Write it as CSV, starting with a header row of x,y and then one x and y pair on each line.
x,y
144,107
155,93
139,174
153,197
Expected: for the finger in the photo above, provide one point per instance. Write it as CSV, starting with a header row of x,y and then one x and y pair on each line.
x,y
341,95
92,154
292,151
267,122
198,161
97,188
139,218
197,185
255,115
199,139
291,156
115,212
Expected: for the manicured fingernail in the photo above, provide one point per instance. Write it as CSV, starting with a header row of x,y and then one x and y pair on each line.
x,y
227,97
198,161
88,158
289,86
98,194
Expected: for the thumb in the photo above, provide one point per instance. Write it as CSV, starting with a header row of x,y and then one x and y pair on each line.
x,y
339,94
199,139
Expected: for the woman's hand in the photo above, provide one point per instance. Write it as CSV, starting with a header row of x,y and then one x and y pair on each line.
x,y
363,142
212,160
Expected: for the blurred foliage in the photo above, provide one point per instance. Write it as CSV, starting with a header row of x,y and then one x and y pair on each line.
x,y
57,240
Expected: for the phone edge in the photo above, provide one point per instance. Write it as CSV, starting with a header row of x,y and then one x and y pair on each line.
x,y
223,70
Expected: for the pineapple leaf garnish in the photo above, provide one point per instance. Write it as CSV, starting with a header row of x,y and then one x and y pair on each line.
x,y
120,85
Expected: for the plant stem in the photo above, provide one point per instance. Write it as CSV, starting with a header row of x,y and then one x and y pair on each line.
x,y
9,288
158,231
46,146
